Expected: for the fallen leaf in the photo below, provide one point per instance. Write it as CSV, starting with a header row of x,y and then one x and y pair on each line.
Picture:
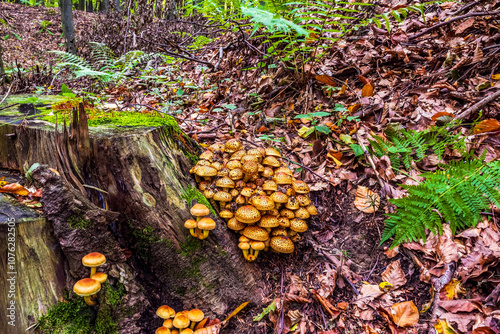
x,y
452,289
327,80
496,76
441,114
464,26
488,125
404,314
366,200
367,90
14,188
394,274
346,139
443,327
237,310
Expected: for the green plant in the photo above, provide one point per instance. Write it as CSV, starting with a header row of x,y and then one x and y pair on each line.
x,y
191,194
455,195
403,146
272,138
44,26
314,118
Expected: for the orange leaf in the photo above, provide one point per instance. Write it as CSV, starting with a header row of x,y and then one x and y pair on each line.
x,y
237,310
441,114
366,200
487,125
363,79
452,289
354,108
14,188
262,129
326,79
367,90
404,314
337,155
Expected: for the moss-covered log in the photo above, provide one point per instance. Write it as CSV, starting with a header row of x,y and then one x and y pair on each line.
x,y
123,198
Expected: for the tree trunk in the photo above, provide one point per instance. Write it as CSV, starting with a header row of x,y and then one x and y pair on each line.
x,y
68,27
141,173
104,6
90,8
81,4
31,266
2,68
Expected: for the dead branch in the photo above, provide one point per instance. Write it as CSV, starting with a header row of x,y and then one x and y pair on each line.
x,y
478,105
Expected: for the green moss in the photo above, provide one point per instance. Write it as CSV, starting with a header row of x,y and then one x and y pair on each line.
x,y
111,297
190,246
194,158
145,237
77,221
191,194
69,316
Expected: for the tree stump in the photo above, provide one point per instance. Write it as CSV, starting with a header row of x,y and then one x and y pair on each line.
x,y
119,193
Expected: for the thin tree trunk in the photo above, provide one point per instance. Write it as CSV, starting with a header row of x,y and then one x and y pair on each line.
x,y
68,27
81,4
104,6
117,5
90,8
2,68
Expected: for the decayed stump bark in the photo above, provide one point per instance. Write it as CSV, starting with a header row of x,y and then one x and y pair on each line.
x,y
142,173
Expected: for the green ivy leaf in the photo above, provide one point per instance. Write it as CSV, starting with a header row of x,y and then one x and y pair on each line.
x,y
323,129
358,151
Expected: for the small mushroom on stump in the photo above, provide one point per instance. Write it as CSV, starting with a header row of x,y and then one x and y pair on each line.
x,y
195,316
199,210
205,225
191,225
162,330
86,288
93,260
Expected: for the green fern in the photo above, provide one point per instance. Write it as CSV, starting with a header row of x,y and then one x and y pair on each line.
x,y
456,195
404,146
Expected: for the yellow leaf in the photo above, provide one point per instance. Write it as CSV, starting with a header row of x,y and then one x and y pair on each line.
x,y
385,286
366,200
443,327
237,310
404,314
304,131
453,288
496,76
204,145
14,188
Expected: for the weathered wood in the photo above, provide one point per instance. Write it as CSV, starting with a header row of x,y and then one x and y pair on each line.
x,y
142,173
31,266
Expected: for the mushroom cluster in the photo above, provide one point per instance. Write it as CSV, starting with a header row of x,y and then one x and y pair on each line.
x,y
201,227
257,194
185,322
89,287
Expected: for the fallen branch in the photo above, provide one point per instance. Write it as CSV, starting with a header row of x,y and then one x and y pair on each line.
x,y
425,31
478,105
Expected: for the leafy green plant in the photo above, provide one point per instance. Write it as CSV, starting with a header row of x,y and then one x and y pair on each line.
x,y
403,146
315,118
272,138
44,26
455,195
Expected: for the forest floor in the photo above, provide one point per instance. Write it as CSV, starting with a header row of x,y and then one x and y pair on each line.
x,y
420,76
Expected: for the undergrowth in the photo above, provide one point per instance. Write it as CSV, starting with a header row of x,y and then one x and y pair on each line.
x,y
455,195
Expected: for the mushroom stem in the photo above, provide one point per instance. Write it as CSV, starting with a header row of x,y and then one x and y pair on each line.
x,y
193,233
193,324
197,233
93,270
256,253
251,258
197,178
89,301
245,254
204,235
222,205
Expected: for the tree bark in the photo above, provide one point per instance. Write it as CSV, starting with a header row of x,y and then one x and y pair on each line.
x,y
2,68
68,27
81,4
137,217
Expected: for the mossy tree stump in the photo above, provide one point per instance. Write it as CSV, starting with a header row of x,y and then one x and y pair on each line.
x,y
119,193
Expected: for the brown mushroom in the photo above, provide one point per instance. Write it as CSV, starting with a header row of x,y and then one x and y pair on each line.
x,y
203,185
298,225
278,198
272,152
162,330
249,157
233,164
86,288
225,183
255,233
269,187
206,225
209,193
267,172
93,260
181,321
235,225
281,178
282,244
232,146
287,213
250,169
199,210
284,222
248,214
303,200
271,161
222,197
224,171
244,246
195,316
234,192
268,222
236,174
168,323
312,210
238,155
191,225
300,187
240,200
284,169
255,247
165,312
217,148
263,203
302,213
292,204
207,155
100,277
279,231
206,172
226,214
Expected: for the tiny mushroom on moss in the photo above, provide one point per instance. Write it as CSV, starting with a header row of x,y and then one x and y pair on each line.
x,y
206,225
86,288
93,260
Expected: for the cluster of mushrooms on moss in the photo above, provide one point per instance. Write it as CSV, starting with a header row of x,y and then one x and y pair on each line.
x,y
89,287
257,194
185,322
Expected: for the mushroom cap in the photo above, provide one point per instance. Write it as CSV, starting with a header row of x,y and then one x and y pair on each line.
x,y
300,187
313,211
271,161
226,214
206,224
240,199
279,197
249,157
165,312
282,244
298,225
287,213
224,171
268,221
243,239
273,152
302,213
203,163
207,155
233,164
238,155
263,203
87,287
195,315
223,196
292,204
255,151
267,172
216,148
225,182
186,331
279,231
190,223
234,192
257,245
240,184
208,193
282,178
235,225
217,165
251,185
162,330
206,171
247,191
168,323
181,321
250,168
100,277
199,210
303,200
248,214
93,260
270,185
232,146
284,222
255,233
204,185
284,169
244,245
273,212
290,192
236,174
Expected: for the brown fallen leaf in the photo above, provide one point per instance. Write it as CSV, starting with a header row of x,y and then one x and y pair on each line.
x,y
443,327
366,200
326,79
488,125
394,274
367,90
14,188
404,314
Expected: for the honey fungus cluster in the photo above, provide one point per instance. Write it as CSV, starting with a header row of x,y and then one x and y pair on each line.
x,y
257,195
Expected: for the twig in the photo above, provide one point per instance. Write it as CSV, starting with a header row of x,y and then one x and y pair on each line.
x,y
310,170
463,8
478,105
54,78
10,105
6,94
425,31
370,160
336,263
